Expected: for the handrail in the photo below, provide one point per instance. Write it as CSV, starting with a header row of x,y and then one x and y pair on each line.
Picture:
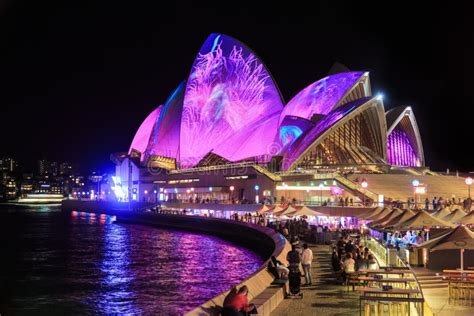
x,y
377,247
256,166
266,172
214,167
351,185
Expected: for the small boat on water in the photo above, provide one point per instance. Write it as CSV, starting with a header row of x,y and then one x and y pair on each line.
x,y
40,199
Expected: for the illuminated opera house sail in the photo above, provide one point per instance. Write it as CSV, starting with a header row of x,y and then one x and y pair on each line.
x,y
230,110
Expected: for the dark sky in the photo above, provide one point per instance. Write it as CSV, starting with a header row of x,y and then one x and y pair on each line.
x,y
78,77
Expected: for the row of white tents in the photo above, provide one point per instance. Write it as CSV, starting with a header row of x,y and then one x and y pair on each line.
x,y
386,219
459,236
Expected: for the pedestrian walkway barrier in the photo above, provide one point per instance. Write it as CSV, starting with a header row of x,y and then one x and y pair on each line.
x,y
397,291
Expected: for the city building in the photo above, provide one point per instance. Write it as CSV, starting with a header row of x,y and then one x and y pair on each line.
x,y
8,164
66,168
228,135
47,168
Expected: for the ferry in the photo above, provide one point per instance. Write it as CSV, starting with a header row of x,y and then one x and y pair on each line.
x,y
39,198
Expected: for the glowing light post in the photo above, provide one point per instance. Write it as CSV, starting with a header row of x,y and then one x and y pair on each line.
x,y
231,188
415,184
468,182
321,185
256,187
364,185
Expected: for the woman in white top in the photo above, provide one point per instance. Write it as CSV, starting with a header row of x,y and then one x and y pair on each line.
x,y
372,263
349,264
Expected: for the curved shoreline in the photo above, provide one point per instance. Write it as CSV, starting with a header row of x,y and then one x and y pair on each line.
x,y
262,240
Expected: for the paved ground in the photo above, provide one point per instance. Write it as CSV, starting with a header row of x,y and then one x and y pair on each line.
x,y
324,297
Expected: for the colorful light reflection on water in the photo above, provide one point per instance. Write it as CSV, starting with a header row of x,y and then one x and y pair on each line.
x,y
85,263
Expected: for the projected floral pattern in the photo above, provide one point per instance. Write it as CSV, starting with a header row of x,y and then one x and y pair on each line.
x,y
321,96
228,91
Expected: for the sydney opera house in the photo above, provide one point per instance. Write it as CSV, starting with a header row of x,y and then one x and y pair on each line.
x,y
225,133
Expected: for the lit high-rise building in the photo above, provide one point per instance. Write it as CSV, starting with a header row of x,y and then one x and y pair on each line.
x,y
46,167
8,164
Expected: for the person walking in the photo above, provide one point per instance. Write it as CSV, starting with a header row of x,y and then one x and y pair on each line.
x,y
306,260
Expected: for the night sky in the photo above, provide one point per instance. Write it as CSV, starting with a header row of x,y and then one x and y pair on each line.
x,y
78,77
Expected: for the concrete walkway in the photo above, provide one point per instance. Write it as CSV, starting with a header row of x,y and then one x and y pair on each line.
x,y
324,297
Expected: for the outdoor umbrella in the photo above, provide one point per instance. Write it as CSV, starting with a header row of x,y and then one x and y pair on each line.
x,y
305,211
405,215
265,209
381,222
454,216
374,211
380,215
467,220
289,209
441,213
459,238
423,220
278,209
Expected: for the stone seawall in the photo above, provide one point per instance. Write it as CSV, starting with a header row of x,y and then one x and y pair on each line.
x,y
264,241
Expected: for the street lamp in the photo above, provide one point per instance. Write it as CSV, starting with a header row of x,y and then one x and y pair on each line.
x,y
415,184
468,181
231,188
364,185
321,185
256,187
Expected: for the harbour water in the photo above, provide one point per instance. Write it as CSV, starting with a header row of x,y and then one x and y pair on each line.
x,y
81,263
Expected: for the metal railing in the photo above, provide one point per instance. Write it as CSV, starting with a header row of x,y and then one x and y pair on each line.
x,y
381,252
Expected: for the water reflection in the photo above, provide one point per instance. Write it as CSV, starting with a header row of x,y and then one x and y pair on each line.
x,y
115,298
84,264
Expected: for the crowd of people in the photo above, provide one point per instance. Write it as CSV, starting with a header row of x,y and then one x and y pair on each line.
x,y
434,204
349,256
409,238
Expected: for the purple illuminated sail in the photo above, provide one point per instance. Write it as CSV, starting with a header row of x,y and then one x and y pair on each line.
x,y
142,136
164,139
228,92
321,96
400,151
293,152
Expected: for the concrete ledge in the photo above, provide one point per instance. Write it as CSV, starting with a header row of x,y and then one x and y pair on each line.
x,y
263,240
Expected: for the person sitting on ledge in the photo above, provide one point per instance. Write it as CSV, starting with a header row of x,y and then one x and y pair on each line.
x,y
278,269
229,296
238,304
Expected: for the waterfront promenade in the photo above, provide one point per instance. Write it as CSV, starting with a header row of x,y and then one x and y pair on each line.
x,y
324,297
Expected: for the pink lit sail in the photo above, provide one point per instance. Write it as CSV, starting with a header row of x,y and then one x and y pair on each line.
x,y
321,96
142,136
255,141
164,138
228,92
